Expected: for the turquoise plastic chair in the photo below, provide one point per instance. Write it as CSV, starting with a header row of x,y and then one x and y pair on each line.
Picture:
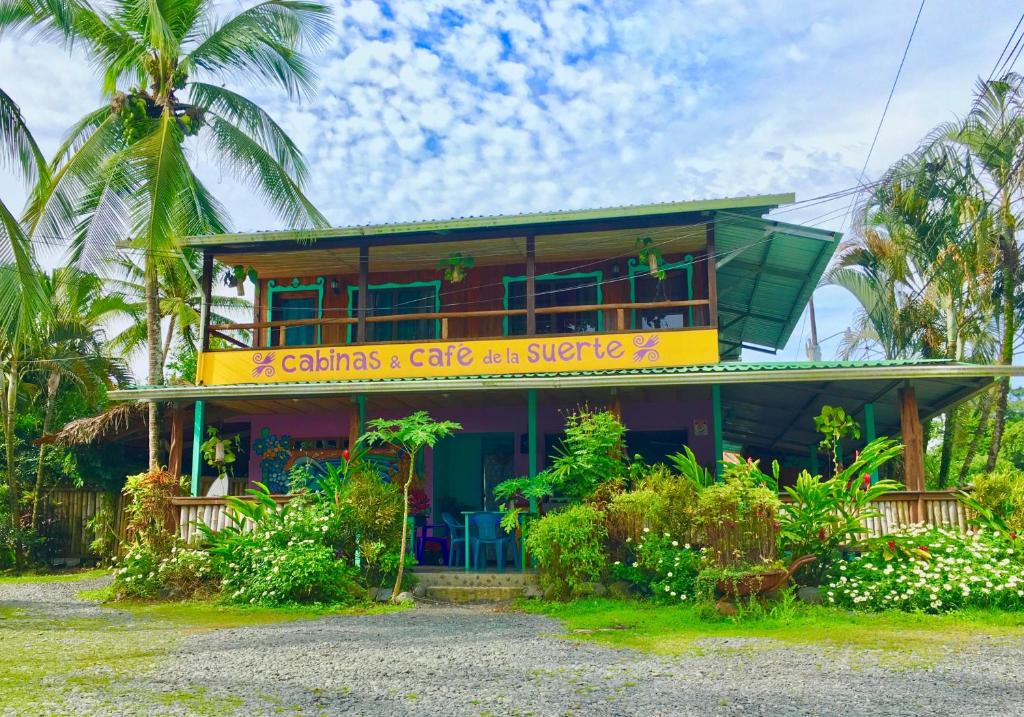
x,y
488,531
456,536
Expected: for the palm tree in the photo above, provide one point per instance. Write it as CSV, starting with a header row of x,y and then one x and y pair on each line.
x,y
72,347
180,301
125,170
21,297
992,135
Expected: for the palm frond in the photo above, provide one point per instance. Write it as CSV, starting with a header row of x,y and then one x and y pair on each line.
x,y
17,146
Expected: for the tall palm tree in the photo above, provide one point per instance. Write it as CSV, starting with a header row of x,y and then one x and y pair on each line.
x,y
992,134
73,348
125,170
21,297
180,302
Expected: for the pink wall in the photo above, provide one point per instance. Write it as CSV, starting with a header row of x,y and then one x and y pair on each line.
x,y
640,416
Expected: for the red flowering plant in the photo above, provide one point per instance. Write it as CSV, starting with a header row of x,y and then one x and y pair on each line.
x,y
824,515
419,501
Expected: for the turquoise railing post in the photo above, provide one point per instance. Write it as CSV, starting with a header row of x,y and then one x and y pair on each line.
x,y
522,551
815,469
716,427
197,454
466,541
410,522
870,433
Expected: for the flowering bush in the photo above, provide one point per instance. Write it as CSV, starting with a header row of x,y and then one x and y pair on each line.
x,y
137,574
664,567
188,573
303,571
934,570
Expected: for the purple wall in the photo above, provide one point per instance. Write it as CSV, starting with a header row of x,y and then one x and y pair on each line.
x,y
646,416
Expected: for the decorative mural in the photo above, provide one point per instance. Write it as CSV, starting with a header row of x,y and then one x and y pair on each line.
x,y
274,452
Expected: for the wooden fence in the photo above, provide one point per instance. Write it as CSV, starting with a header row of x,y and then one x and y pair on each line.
x,y
898,509
69,523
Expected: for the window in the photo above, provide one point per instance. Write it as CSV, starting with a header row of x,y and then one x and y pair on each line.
x,y
571,290
292,307
676,286
396,299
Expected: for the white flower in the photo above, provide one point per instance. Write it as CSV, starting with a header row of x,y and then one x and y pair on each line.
x,y
647,530
675,543
670,575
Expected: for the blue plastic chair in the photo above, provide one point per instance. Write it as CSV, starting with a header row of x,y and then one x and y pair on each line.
x,y
489,532
456,536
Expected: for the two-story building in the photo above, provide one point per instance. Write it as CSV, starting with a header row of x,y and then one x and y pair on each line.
x,y
504,323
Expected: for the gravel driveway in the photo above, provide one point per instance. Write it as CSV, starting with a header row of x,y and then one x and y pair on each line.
x,y
447,661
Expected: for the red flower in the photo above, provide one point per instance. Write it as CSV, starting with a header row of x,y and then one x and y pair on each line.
x,y
867,480
892,545
344,455
821,534
1013,535
924,548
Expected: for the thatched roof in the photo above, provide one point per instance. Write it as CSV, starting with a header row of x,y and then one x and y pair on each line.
x,y
116,422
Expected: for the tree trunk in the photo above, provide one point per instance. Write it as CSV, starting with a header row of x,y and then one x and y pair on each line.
x,y
156,376
972,447
167,344
405,530
52,385
1008,248
946,455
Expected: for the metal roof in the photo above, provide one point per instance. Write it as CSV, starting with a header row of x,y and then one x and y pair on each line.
x,y
727,373
767,271
763,203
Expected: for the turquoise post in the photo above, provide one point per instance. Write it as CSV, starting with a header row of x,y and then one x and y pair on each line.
x,y
466,541
197,454
815,469
870,433
716,420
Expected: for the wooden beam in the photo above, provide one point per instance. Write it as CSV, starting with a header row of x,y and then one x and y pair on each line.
x,y
364,299
712,276
174,458
354,424
207,289
531,285
913,439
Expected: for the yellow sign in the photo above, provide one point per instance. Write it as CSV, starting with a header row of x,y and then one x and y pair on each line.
x,y
583,352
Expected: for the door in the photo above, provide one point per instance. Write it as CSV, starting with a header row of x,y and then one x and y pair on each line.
x,y
467,466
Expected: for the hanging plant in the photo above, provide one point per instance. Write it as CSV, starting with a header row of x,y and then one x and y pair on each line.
x,y
219,452
650,255
456,265
236,276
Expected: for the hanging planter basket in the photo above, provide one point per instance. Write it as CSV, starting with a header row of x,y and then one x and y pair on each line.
x,y
456,266
649,254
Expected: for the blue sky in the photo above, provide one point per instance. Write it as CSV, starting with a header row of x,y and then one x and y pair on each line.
x,y
432,109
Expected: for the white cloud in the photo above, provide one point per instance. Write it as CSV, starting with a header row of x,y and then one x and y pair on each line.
x,y
435,108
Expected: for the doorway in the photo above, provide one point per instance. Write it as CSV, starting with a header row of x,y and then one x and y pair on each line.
x,y
467,466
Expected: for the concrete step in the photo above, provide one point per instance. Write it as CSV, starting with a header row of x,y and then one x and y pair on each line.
x,y
462,595
460,578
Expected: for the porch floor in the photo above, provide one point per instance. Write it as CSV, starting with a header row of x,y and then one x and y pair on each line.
x,y
455,585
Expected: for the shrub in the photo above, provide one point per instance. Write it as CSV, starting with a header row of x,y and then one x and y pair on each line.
x,y
664,568
150,513
297,572
933,570
1002,492
137,574
568,546
824,515
738,523
677,508
592,452
188,573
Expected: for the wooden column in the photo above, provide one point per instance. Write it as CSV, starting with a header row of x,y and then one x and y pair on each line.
x,y
353,424
913,440
364,299
174,458
712,262
206,283
531,285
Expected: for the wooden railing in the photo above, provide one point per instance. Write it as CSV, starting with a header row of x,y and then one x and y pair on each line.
x,y
444,317
899,509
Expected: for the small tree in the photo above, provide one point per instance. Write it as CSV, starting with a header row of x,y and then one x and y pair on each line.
x,y
410,434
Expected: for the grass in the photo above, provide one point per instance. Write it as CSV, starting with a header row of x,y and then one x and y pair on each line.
x,y
63,576
897,639
100,656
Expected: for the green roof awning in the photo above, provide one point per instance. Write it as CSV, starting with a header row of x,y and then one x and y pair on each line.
x,y
767,271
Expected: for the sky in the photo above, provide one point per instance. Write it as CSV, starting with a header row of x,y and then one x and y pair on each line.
x,y
430,109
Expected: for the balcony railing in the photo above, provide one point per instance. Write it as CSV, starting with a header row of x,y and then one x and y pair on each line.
x,y
622,313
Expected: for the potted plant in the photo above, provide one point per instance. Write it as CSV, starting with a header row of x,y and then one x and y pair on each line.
x,y
455,266
220,453
650,254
